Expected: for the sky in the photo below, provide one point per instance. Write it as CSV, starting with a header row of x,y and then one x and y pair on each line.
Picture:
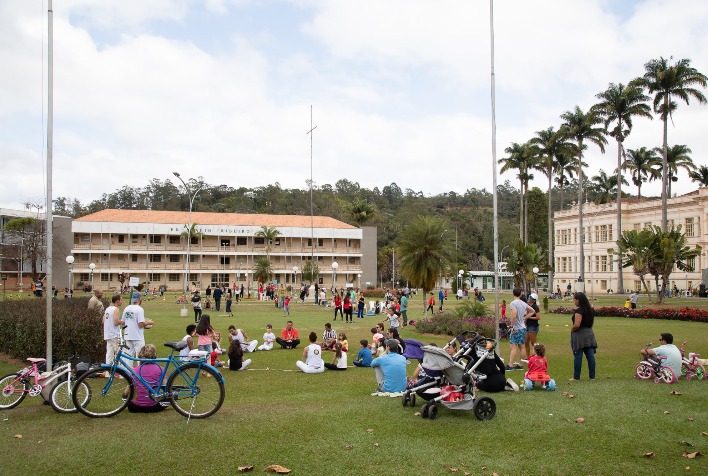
x,y
399,89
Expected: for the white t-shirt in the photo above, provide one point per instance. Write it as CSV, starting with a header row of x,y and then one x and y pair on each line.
x,y
314,356
110,331
184,353
673,357
268,338
132,316
342,362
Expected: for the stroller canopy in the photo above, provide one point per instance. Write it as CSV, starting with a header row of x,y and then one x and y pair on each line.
x,y
414,349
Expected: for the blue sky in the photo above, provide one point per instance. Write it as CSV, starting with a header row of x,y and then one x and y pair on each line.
x,y
400,88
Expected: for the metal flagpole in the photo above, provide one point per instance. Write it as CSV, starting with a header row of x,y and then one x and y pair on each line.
x,y
312,209
49,217
494,173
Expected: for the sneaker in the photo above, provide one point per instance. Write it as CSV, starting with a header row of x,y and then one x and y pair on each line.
x,y
508,368
518,367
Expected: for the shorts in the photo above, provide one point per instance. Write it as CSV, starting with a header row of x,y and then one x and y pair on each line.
x,y
532,329
518,337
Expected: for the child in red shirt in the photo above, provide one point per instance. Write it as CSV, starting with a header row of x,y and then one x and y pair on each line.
x,y
538,370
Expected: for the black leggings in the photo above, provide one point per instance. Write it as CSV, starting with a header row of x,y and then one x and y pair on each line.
x,y
132,407
338,309
333,367
197,314
348,314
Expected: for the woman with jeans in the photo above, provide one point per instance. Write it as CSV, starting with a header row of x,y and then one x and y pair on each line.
x,y
582,338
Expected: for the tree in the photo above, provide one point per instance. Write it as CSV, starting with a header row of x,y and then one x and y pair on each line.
x,y
263,270
667,81
31,233
619,104
310,271
677,157
550,145
634,249
605,187
564,172
522,157
644,165
669,250
191,232
268,233
700,176
426,252
525,258
582,127
362,211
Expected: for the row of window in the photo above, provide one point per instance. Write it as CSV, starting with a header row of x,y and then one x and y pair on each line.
x,y
216,278
692,228
602,263
176,240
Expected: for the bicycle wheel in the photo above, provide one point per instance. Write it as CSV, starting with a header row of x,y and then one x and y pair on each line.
x,y
700,372
61,397
14,390
644,371
666,375
98,397
195,392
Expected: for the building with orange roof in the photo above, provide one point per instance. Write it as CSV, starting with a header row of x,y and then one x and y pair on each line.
x,y
152,246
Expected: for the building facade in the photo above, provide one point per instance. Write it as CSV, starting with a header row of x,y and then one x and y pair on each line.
x,y
152,246
600,234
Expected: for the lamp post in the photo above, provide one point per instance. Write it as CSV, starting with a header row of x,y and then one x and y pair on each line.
x,y
295,270
535,277
460,275
92,266
191,196
591,220
335,265
359,276
70,262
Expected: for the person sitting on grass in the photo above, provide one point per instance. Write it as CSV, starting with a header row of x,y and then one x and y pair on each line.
x,y
150,372
329,337
669,350
340,359
288,337
214,356
364,357
235,354
268,339
312,356
390,370
189,339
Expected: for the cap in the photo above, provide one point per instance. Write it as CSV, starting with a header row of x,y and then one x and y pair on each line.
x,y
533,296
392,344
135,297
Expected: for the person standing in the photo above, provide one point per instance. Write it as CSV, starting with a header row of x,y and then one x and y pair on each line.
x,y
217,298
135,322
633,298
312,356
111,328
404,309
360,307
431,304
338,307
197,305
441,298
347,306
317,293
519,311
95,305
229,300
532,324
582,337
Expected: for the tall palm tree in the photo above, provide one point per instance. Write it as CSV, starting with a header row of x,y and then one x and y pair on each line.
x,y
667,81
605,187
564,171
677,157
619,104
644,165
362,211
700,176
426,252
583,127
522,158
550,145
634,249
263,271
268,233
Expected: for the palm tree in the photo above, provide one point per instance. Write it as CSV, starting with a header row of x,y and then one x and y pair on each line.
x,y
644,165
605,187
634,249
564,172
522,157
583,127
268,233
550,145
526,258
362,211
670,250
667,81
700,176
263,271
677,157
619,104
426,252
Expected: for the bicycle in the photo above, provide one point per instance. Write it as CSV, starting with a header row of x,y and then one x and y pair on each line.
x,y
194,388
690,366
16,386
652,367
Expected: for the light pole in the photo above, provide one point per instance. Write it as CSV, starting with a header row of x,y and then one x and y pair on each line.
x,y
92,266
335,265
70,262
295,270
535,277
460,275
591,220
359,276
191,196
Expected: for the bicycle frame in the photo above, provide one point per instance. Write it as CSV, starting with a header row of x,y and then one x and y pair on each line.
x,y
28,372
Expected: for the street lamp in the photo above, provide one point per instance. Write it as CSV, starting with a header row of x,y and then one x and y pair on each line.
x,y
359,275
295,270
335,265
70,262
535,277
191,196
460,275
92,266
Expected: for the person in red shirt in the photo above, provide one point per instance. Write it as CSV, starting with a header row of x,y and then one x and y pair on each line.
x,y
288,337
338,306
538,370
431,304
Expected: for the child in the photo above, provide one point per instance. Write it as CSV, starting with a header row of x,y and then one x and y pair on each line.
x,y
364,357
377,307
627,304
376,334
268,339
214,356
189,339
286,306
236,361
431,304
538,370
205,334
381,348
503,309
342,339
340,359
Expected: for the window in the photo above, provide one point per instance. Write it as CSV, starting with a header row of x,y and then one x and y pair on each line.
x,y
241,241
134,239
155,258
121,238
174,240
134,258
174,258
173,277
106,277
225,260
85,238
84,277
636,226
647,225
225,242
690,231
277,242
259,240
155,239
321,280
309,242
193,277
219,279
691,262
320,242
192,258
194,240
152,277
603,263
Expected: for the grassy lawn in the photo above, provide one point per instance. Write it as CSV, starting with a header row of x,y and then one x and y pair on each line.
x,y
329,423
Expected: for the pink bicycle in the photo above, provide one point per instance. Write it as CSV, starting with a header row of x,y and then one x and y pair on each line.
x,y
652,367
690,366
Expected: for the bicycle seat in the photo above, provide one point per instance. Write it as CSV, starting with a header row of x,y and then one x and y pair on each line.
x,y
35,360
176,345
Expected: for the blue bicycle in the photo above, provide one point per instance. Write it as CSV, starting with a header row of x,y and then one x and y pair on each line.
x,y
194,388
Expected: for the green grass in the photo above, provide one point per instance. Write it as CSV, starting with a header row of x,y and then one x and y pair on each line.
x,y
307,422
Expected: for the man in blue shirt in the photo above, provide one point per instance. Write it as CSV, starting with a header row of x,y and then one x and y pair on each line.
x,y
390,369
441,298
364,357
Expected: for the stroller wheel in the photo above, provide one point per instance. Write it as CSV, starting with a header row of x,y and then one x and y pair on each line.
x,y
424,411
406,398
433,412
485,408
412,399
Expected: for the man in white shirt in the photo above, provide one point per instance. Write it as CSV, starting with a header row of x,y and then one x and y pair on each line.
x,y
111,328
669,350
313,357
135,323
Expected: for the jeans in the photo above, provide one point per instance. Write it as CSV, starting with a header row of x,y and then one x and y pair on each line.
x,y
578,362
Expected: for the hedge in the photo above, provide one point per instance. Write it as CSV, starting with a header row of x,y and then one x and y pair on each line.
x,y
449,324
23,329
671,314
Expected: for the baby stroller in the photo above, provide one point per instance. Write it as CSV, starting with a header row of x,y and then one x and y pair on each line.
x,y
455,388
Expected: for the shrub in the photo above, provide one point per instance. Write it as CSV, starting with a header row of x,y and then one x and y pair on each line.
x,y
671,314
471,308
23,329
455,323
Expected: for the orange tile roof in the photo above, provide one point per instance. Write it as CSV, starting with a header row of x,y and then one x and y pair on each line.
x,y
208,218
